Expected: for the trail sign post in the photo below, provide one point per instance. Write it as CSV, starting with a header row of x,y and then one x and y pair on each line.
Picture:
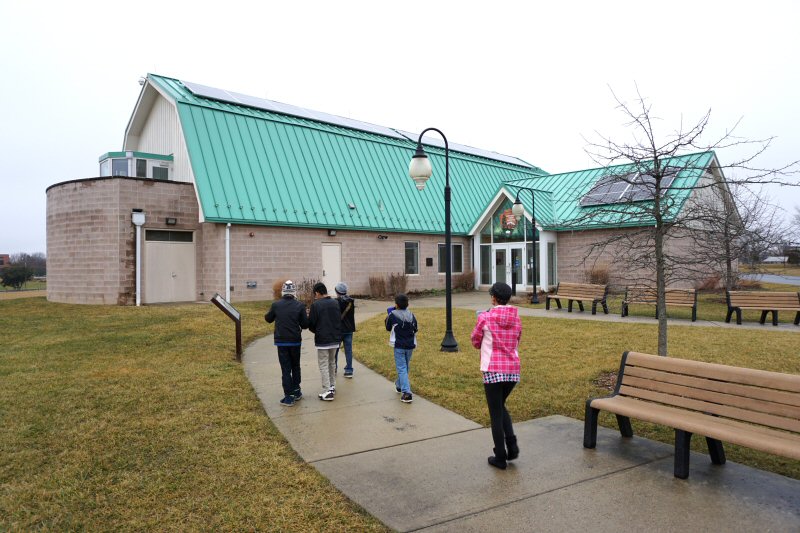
x,y
234,315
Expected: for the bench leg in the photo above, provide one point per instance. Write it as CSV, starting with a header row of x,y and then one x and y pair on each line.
x,y
580,305
738,316
797,319
590,426
694,314
763,317
546,303
605,307
730,314
558,302
625,310
774,318
594,308
716,451
624,424
569,306
683,440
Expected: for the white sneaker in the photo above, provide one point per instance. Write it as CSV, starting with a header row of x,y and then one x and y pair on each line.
x,y
327,396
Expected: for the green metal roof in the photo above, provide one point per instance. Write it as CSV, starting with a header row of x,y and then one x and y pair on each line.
x,y
261,167
563,211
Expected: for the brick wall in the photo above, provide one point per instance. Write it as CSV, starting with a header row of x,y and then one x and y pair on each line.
x,y
274,253
91,241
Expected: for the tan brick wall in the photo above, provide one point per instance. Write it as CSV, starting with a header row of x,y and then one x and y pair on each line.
x,y
274,253
575,260
91,242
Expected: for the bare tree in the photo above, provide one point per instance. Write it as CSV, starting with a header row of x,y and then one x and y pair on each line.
x,y
647,182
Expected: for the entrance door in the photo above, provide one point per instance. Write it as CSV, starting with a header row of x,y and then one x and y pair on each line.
x,y
169,266
509,265
331,265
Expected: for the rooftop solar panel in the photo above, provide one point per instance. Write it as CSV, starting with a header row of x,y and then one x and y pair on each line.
x,y
439,143
287,109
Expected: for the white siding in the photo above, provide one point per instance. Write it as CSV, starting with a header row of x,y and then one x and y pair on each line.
x,y
161,134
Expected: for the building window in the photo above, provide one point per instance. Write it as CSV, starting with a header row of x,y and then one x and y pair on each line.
x,y
458,258
141,168
486,264
160,173
168,236
552,264
119,167
412,257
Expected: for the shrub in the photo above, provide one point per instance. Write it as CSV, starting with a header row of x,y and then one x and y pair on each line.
x,y
15,276
748,285
397,283
305,291
377,287
464,281
599,275
711,283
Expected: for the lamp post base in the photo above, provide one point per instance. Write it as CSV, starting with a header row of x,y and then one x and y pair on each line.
x,y
449,343
535,296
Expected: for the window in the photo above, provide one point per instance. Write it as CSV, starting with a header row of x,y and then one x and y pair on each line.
x,y
168,236
486,264
160,173
552,264
627,187
458,258
105,168
141,168
119,167
412,257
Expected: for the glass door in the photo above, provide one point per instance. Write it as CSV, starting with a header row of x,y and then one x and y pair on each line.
x,y
509,265
500,265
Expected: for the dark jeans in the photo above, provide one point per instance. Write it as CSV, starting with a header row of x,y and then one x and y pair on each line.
x,y
347,340
289,358
496,394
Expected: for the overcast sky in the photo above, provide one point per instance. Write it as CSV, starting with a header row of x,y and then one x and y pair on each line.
x,y
523,80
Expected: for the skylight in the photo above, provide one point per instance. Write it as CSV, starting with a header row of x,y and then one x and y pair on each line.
x,y
629,187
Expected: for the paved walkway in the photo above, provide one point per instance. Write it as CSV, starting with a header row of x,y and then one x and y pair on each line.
x,y
421,467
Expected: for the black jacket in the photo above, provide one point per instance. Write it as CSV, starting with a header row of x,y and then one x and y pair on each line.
x,y
290,319
325,320
347,306
405,328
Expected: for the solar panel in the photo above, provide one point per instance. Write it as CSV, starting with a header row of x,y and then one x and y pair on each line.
x,y
287,109
631,187
464,149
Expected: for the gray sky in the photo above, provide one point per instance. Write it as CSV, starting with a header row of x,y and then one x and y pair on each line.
x,y
523,80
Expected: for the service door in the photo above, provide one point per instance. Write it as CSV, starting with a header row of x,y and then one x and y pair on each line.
x,y
331,265
169,266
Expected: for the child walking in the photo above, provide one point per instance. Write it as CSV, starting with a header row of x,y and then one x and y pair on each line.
x,y
325,321
290,319
403,324
497,335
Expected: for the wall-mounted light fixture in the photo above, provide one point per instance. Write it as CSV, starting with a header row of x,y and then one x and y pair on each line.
x,y
171,221
383,237
331,233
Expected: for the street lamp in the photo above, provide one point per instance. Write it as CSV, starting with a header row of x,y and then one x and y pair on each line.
x,y
420,170
518,211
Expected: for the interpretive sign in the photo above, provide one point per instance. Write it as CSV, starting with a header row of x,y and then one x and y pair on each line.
x,y
234,315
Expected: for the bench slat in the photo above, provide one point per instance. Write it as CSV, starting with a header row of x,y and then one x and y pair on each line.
x,y
758,393
759,438
702,394
743,376
707,407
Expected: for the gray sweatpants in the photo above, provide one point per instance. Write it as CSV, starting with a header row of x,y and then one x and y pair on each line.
x,y
327,367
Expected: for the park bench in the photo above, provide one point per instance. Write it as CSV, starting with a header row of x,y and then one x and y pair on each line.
x,y
751,408
764,301
647,295
579,292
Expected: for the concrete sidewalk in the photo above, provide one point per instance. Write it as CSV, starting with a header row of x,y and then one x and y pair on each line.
x,y
421,467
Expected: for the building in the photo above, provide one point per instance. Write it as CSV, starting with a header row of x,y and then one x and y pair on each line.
x,y
5,260
227,190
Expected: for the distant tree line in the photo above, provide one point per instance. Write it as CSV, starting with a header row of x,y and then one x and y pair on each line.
x,y
21,268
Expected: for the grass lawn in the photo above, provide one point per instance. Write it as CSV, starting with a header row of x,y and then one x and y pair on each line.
x,y
710,306
562,359
124,418
785,270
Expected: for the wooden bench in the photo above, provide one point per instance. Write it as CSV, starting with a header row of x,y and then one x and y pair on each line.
x,y
647,295
764,301
752,408
579,292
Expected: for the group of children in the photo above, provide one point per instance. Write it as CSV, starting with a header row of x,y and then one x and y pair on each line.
x,y
496,334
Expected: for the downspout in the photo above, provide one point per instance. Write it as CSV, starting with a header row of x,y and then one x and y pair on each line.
x,y
228,262
137,217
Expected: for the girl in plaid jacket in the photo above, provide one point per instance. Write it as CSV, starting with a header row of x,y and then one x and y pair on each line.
x,y
497,335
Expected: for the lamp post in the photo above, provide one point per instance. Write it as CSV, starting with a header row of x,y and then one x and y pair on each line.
x,y
519,211
420,170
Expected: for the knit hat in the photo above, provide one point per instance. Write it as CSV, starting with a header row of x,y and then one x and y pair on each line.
x,y
341,288
289,288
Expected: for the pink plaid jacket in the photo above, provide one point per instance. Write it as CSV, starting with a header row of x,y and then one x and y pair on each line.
x,y
497,335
